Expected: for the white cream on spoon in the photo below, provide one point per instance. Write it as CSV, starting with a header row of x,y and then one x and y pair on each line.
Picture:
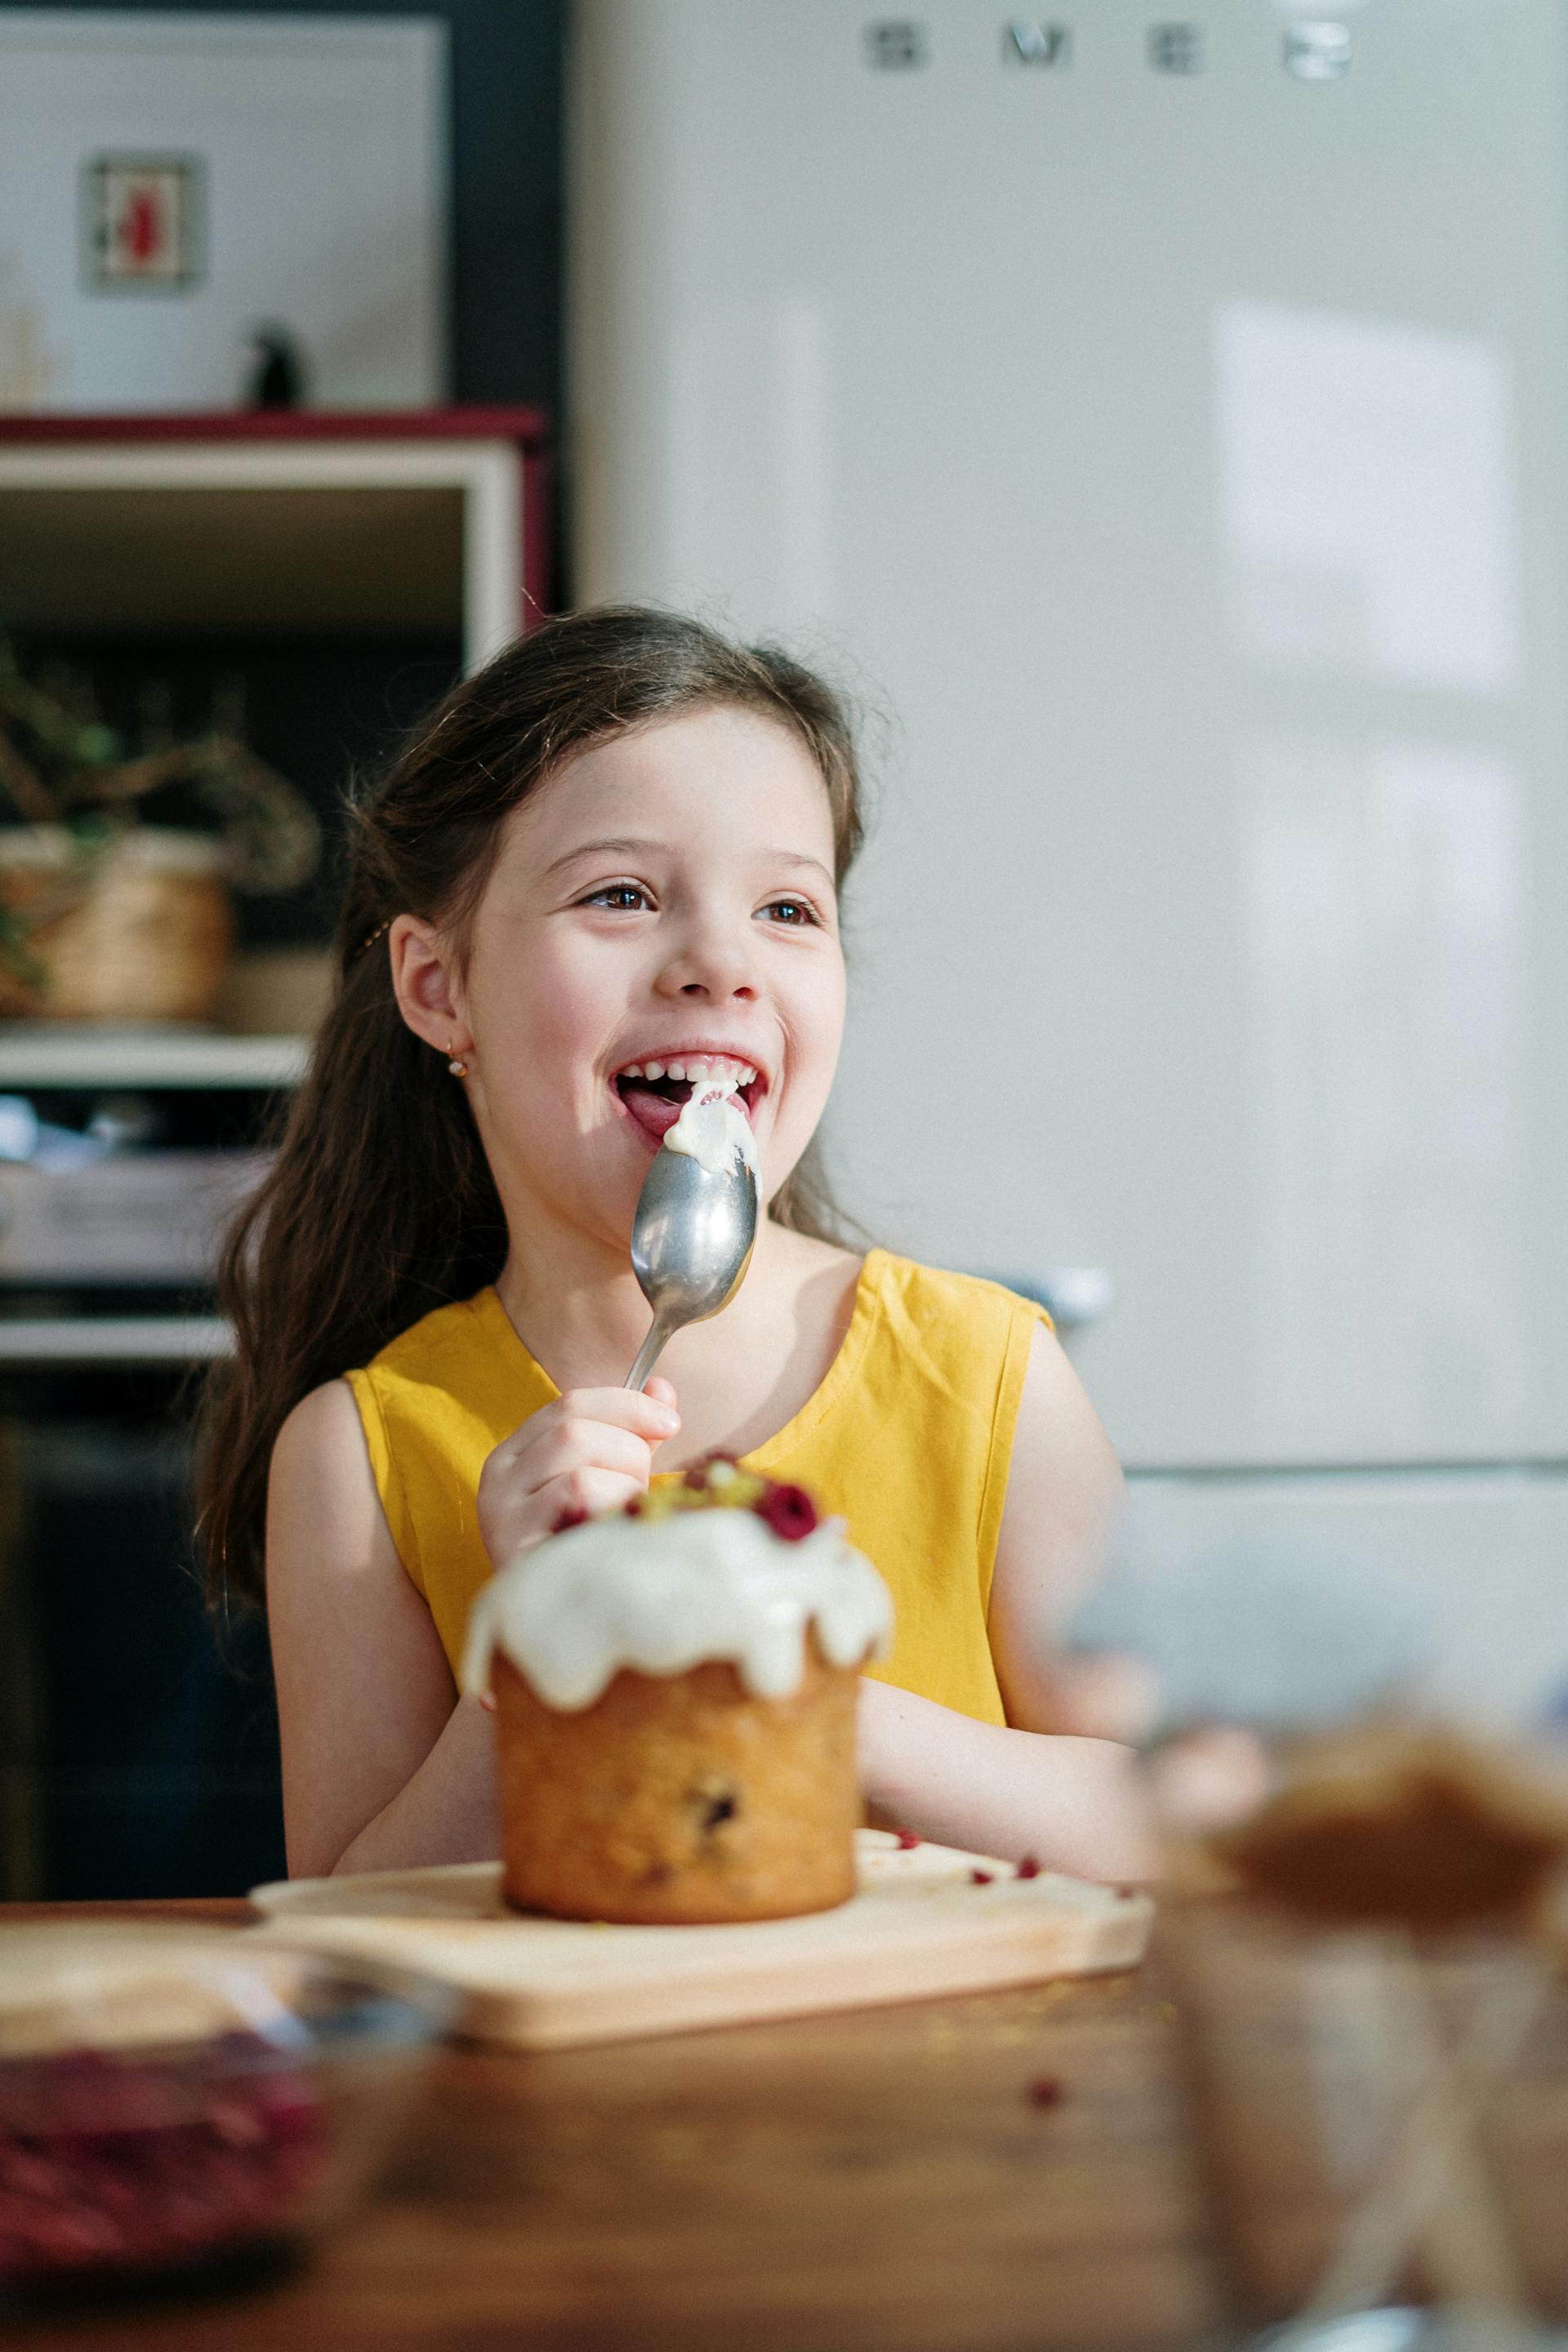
x,y
695,1218
712,1127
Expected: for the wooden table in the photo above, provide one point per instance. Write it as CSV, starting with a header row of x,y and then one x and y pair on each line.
x,y
875,2181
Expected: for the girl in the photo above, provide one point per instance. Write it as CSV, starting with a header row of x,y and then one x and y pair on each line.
x,y
607,864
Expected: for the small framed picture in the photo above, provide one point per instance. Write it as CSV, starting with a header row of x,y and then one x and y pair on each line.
x,y
144,223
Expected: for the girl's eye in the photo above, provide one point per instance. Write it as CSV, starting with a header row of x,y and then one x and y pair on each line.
x,y
623,896
793,911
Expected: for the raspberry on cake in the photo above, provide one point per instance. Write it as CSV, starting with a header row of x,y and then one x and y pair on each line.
x,y
675,1687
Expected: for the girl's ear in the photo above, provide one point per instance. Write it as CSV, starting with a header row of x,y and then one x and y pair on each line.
x,y
427,986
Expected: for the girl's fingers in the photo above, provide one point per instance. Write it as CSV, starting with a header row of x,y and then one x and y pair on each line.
x,y
580,1493
1209,1779
590,1451
579,1444
650,1418
662,1391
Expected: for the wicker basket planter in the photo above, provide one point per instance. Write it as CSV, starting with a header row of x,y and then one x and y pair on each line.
x,y
139,930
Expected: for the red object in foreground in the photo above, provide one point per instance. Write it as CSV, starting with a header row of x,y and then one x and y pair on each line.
x,y
981,1877
907,1839
1046,2091
1029,1867
116,2164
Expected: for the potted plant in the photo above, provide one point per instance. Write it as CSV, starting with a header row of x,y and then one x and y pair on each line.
x,y
115,871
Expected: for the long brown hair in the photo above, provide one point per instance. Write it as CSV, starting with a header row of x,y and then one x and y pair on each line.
x,y
380,1205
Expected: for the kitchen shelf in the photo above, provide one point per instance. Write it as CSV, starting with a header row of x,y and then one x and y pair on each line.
x,y
376,560
230,527
114,1340
37,1055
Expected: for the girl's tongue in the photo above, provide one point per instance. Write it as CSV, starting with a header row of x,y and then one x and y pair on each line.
x,y
654,1111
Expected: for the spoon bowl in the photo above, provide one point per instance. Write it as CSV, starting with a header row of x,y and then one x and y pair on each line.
x,y
693,1238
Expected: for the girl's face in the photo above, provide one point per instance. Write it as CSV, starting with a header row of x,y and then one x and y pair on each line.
x,y
662,908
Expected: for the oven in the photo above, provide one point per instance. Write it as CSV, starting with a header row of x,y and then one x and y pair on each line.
x,y
138,1738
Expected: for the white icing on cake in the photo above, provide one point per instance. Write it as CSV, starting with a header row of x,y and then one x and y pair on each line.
x,y
665,1595
712,1127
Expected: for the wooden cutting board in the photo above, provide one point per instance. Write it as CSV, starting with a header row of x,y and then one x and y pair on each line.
x,y
919,1926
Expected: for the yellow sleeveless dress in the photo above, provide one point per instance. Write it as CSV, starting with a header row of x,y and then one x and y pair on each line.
x,y
909,1438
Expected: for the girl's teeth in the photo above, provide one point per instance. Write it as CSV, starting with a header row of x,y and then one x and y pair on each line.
x,y
697,1070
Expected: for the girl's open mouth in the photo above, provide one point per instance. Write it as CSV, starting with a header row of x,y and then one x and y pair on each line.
x,y
656,1093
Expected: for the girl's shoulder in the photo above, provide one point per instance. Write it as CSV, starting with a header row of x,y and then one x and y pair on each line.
x,y
439,1342
905,1291
930,1347
941,1303
457,1378
938,1323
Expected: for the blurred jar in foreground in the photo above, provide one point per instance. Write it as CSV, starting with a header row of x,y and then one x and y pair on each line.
x,y
178,2106
1380,2044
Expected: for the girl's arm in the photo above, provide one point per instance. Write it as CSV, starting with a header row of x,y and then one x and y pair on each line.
x,y
1074,1803
384,1768
1060,1783
1077,1805
1064,1494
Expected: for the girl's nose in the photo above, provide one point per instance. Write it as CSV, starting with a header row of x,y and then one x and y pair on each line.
x,y
710,965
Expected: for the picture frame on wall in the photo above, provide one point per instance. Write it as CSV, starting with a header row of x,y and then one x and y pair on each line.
x,y
144,223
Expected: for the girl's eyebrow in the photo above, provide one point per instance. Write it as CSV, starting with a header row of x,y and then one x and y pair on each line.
x,y
628,845
794,857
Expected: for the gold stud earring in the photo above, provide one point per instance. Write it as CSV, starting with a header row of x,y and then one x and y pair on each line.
x,y
458,1067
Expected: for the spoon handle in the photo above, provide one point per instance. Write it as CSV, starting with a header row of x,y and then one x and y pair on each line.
x,y
649,1353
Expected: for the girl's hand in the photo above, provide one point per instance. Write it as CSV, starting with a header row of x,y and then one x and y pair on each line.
x,y
589,1451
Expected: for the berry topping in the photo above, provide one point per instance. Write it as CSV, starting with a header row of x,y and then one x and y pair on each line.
x,y
789,1511
721,1485
907,1839
981,1877
1029,1867
570,1517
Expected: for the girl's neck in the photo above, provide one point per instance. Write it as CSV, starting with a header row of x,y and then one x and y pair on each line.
x,y
582,1315
739,1377
579,1315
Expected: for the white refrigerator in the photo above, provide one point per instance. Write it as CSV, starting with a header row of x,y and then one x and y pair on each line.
x,y
1162,427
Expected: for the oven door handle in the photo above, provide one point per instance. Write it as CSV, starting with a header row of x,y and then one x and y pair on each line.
x,y
88,1339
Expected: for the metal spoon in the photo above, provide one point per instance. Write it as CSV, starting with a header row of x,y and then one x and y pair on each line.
x,y
693,1238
